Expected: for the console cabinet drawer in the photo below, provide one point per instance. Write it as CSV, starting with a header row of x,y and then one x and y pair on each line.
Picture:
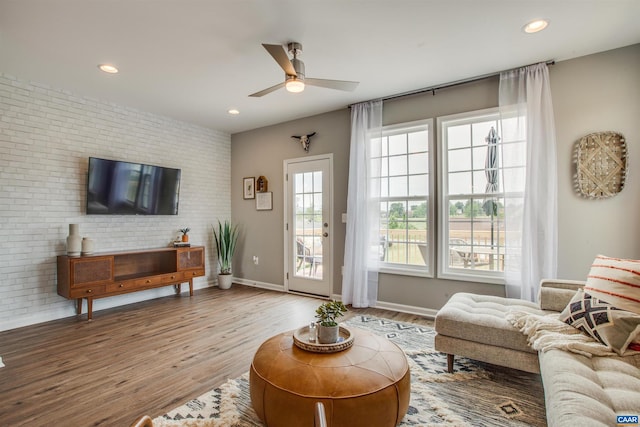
x,y
172,278
193,273
147,281
121,287
159,280
88,291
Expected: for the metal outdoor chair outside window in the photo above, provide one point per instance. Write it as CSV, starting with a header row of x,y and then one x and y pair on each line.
x,y
304,256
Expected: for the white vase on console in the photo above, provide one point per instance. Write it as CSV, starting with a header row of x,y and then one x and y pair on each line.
x,y
74,241
87,246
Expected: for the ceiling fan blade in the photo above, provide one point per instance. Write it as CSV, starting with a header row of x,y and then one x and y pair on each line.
x,y
281,57
333,84
267,91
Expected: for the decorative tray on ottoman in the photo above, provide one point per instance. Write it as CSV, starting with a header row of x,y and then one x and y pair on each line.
x,y
301,340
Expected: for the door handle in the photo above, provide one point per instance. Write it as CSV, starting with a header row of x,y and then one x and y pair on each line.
x,y
325,234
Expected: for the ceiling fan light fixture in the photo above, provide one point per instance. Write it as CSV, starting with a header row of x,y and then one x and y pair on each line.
x,y
294,85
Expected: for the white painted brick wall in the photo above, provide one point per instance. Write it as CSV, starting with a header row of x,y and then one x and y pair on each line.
x,y
46,138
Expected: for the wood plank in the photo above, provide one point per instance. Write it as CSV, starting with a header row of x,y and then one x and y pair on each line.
x,y
143,358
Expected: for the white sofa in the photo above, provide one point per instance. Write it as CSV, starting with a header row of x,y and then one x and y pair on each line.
x,y
579,390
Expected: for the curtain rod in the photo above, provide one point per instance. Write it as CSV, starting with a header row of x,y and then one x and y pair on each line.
x,y
433,89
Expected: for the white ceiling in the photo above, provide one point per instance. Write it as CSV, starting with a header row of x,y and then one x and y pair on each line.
x,y
194,59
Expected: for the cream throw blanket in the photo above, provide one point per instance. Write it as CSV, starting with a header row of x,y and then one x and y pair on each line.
x,y
548,332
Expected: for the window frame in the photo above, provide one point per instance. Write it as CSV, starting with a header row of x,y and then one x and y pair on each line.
x,y
430,268
444,271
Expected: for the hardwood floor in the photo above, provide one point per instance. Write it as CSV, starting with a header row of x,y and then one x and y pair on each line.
x,y
143,358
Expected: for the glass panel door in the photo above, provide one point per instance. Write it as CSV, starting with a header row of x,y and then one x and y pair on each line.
x,y
308,225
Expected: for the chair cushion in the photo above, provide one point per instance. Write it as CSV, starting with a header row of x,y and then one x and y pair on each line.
x,y
481,318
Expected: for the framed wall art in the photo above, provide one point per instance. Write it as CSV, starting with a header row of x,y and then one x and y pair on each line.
x,y
264,201
249,188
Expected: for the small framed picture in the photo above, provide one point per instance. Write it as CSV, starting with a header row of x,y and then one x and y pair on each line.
x,y
249,188
264,201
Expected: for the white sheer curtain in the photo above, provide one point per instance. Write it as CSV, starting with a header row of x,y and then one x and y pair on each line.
x,y
360,278
531,222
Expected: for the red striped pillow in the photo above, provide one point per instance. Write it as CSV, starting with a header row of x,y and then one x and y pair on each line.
x,y
616,281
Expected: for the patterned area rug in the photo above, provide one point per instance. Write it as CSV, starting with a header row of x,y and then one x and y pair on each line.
x,y
476,394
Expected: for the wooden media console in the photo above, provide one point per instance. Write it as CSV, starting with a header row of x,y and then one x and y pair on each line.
x,y
108,274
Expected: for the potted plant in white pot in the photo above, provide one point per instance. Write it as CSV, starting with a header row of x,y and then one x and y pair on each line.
x,y
328,329
226,237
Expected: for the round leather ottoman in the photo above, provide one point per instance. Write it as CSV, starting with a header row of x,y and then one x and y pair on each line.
x,y
366,385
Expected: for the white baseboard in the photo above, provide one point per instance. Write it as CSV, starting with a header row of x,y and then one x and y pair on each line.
x,y
420,311
258,284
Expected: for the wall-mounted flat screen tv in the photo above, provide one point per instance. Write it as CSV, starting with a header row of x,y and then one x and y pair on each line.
x,y
123,188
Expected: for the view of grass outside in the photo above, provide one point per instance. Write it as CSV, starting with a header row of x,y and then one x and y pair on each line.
x,y
404,237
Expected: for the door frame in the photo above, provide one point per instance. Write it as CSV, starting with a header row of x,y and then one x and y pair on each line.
x,y
287,248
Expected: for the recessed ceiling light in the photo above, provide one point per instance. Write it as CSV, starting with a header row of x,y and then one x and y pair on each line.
x,y
535,26
108,68
233,112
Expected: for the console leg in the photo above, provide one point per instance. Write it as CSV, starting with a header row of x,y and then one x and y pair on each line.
x,y
450,363
190,287
79,306
178,288
89,309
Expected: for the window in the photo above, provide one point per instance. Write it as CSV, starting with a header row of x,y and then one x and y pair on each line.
x,y
474,167
401,175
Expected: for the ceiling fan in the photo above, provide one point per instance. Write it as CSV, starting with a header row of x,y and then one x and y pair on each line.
x,y
294,80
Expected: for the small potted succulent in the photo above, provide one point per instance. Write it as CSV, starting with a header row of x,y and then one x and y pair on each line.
x,y
185,236
328,329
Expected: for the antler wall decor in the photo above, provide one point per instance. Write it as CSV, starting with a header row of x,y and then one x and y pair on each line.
x,y
305,140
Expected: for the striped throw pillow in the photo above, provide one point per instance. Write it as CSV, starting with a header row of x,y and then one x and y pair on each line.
x,y
616,281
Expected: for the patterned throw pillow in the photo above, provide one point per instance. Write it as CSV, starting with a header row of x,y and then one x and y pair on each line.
x,y
616,281
613,327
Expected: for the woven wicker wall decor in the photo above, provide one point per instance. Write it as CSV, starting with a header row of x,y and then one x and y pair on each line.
x,y
601,165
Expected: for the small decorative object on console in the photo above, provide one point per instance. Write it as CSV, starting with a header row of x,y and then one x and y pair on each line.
x,y
185,236
87,246
74,241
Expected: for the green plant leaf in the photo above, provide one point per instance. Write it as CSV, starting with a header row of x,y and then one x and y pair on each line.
x,y
328,312
226,237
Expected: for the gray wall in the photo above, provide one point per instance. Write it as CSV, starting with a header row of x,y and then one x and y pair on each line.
x,y
262,152
593,93
590,94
